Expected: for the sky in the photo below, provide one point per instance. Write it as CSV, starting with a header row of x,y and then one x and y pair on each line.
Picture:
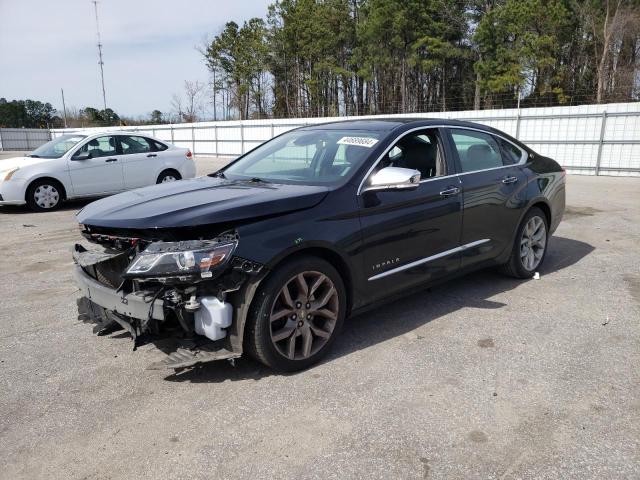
x,y
148,49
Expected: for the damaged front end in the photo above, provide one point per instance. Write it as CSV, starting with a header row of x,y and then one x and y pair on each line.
x,y
191,291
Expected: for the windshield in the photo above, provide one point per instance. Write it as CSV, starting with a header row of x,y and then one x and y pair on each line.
x,y
57,147
308,157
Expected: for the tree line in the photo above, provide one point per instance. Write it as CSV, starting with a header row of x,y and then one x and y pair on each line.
x,y
26,114
353,57
36,114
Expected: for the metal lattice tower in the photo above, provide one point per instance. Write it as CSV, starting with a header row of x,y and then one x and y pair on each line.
x,y
100,62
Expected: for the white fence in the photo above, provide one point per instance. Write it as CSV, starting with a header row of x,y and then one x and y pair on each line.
x,y
588,139
23,138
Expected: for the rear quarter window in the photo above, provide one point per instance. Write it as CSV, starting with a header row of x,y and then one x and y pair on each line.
x,y
157,146
511,154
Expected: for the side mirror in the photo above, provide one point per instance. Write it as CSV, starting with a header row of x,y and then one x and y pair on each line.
x,y
81,156
394,178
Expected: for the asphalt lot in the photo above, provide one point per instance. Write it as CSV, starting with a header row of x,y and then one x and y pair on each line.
x,y
484,377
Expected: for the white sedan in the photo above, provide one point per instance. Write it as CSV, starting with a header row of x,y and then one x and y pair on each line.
x,y
88,165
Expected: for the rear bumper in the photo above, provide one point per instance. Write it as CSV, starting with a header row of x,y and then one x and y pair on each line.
x,y
130,305
188,169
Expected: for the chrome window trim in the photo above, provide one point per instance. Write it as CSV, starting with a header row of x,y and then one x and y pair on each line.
x,y
522,161
429,259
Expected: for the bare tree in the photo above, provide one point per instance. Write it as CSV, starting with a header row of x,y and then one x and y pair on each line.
x,y
176,106
188,108
194,92
619,19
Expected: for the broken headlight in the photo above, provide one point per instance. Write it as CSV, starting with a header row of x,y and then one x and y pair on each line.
x,y
200,258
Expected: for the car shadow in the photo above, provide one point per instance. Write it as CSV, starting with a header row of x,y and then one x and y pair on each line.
x,y
401,316
66,206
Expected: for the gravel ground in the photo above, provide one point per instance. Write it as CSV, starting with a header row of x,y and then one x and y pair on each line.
x,y
483,377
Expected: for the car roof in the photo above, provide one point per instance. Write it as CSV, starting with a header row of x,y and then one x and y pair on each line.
x,y
391,123
121,132
397,125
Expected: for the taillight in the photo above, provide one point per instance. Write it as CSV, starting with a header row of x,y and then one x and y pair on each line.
x,y
188,154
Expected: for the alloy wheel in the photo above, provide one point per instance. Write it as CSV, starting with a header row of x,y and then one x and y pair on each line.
x,y
304,315
46,196
533,243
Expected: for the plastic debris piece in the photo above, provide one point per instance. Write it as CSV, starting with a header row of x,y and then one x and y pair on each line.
x,y
536,276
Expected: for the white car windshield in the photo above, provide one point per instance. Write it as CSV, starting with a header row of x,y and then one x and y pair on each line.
x,y
306,156
57,147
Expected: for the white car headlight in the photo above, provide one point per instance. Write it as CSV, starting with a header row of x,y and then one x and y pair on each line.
x,y
7,174
199,258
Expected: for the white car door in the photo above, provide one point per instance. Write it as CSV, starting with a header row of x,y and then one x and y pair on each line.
x,y
139,160
95,168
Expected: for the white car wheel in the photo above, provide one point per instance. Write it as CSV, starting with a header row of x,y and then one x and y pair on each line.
x,y
168,176
44,195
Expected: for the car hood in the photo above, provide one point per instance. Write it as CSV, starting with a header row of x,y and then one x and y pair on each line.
x,y
199,201
13,162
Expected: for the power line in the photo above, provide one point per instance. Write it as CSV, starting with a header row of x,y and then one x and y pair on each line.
x,y
100,62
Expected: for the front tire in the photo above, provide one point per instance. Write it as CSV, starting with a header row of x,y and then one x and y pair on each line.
x,y
530,245
296,314
44,195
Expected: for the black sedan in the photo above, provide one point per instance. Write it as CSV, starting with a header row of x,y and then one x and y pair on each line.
x,y
271,253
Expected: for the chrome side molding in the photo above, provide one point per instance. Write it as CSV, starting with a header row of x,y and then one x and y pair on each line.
x,y
429,259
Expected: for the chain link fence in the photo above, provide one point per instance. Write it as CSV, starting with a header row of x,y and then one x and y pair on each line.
x,y
23,138
587,139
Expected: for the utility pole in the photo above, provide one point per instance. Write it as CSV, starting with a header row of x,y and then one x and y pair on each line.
x,y
100,62
64,108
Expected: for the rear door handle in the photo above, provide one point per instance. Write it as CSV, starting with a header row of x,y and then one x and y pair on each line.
x,y
111,160
152,155
507,180
449,191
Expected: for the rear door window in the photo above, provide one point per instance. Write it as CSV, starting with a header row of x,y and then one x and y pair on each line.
x,y
477,150
131,144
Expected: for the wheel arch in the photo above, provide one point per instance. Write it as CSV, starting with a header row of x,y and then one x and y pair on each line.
x,y
50,179
326,253
245,297
540,203
544,206
167,169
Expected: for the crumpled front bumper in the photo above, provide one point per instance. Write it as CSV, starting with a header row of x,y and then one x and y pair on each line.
x,y
109,307
133,305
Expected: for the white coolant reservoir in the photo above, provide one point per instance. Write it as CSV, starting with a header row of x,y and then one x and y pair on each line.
x,y
212,317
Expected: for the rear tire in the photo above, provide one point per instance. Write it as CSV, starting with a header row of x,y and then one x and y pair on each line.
x,y
296,314
530,245
44,195
168,176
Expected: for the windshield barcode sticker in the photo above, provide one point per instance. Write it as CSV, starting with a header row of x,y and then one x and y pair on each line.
x,y
358,141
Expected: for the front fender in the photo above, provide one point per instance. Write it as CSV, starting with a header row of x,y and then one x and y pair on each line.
x,y
307,246
61,176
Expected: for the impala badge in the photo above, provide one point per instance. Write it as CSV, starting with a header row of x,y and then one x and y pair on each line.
x,y
385,263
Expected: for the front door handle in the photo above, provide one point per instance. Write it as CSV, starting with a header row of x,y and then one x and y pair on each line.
x,y
111,160
507,180
449,191
152,155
